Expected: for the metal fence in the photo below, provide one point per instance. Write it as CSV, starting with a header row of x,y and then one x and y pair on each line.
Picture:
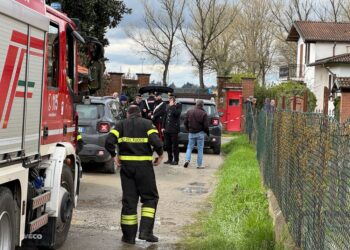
x,y
305,160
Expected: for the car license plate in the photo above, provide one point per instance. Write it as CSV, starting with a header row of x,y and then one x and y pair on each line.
x,y
81,129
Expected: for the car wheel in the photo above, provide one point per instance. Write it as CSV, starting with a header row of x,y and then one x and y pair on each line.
x,y
217,149
110,167
7,219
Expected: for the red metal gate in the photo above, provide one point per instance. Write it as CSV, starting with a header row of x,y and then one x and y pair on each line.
x,y
233,110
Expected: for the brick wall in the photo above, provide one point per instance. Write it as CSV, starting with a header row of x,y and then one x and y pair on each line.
x,y
143,79
221,81
344,106
116,82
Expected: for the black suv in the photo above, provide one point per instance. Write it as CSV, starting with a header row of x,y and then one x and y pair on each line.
x,y
212,141
96,118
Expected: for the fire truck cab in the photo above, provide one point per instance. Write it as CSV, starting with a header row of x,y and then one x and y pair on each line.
x,y
39,170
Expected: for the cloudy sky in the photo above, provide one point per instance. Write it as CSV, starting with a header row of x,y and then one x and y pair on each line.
x,y
126,56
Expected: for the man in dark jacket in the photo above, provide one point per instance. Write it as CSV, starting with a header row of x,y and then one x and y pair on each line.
x,y
148,106
135,137
158,114
171,129
196,123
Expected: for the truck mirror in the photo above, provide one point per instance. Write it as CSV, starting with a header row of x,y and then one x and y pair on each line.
x,y
96,72
94,49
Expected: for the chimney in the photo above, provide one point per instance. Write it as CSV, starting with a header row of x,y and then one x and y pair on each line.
x,y
116,82
143,79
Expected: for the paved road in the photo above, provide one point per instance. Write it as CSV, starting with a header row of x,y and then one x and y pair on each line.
x,y
182,193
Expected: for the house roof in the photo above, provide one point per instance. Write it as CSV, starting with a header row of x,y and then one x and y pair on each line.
x,y
343,82
312,31
342,58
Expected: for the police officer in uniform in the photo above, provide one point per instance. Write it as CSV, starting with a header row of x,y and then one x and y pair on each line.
x,y
135,137
148,105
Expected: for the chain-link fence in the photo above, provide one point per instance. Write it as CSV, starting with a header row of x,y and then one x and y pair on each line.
x,y
305,160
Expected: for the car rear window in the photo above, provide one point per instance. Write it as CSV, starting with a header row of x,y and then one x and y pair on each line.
x,y
209,108
92,111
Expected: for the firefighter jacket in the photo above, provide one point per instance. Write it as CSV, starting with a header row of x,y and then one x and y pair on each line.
x,y
135,137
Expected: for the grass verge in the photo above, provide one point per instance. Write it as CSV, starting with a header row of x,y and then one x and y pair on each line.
x,y
239,216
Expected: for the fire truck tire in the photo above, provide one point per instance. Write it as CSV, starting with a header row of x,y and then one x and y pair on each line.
x,y
7,219
110,167
66,207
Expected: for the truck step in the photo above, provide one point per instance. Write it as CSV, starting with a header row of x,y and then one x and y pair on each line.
x,y
41,200
38,223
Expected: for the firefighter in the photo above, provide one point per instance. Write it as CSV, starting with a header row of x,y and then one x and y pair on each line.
x,y
80,143
135,137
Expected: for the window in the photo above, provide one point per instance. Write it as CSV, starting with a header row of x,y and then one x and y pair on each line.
x,y
70,59
233,102
91,112
307,53
53,55
209,108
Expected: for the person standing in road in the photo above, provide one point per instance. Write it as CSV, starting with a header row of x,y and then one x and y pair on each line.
x,y
123,107
158,114
148,106
135,137
196,123
137,101
171,129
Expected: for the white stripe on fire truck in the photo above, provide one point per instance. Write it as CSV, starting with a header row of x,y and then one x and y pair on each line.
x,y
15,140
59,131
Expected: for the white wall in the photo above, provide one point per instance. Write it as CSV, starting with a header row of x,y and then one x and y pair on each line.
x,y
324,50
341,70
321,81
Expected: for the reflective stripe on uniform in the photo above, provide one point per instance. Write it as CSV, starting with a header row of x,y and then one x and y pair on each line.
x,y
148,212
129,219
133,140
135,158
79,137
115,132
151,131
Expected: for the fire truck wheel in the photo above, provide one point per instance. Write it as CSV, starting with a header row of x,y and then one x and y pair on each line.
x,y
110,167
65,214
7,219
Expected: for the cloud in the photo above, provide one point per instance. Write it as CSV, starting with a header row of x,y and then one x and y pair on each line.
x,y
125,55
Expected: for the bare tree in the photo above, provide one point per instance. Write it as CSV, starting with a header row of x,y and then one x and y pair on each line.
x,y
158,36
329,10
256,35
208,19
223,55
285,13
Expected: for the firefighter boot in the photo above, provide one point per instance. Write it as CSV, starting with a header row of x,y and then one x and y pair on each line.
x,y
146,229
129,233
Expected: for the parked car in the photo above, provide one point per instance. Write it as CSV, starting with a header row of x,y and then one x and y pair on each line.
x,y
96,118
212,141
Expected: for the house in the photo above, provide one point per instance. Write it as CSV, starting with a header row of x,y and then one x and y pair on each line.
x,y
323,57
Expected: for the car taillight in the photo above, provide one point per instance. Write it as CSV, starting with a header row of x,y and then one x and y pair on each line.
x,y
215,121
103,127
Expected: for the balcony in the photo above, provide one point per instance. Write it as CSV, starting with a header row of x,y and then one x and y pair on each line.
x,y
294,72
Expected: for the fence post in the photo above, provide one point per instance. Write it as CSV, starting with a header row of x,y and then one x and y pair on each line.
x,y
325,100
283,102
305,101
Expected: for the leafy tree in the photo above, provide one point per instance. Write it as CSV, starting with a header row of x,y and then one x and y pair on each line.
x,y
95,15
287,89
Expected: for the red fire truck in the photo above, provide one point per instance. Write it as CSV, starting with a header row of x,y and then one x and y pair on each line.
x,y
39,170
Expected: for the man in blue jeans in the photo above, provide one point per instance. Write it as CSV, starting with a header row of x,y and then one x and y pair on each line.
x,y
196,123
